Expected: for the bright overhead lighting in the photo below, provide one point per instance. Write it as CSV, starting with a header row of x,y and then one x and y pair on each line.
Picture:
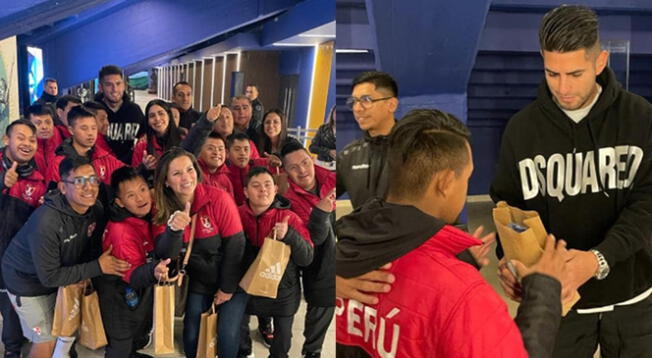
x,y
350,50
317,35
292,44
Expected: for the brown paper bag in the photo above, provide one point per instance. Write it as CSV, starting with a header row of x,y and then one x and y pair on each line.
x,y
207,346
91,333
264,275
164,318
67,316
526,246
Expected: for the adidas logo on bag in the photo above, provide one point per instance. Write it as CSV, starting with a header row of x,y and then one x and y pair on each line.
x,y
273,272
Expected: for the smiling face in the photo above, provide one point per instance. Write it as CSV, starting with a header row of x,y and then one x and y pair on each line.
x,y
44,125
21,143
377,115
181,177
261,190
272,125
80,197
571,76
300,169
84,132
183,96
224,123
134,195
240,153
113,87
158,119
241,109
213,153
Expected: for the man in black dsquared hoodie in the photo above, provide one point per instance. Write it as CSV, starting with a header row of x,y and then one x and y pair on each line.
x,y
580,156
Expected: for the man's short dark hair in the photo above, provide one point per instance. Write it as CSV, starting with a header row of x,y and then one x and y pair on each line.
x,y
180,83
241,97
256,171
380,80
216,135
94,106
424,142
19,122
252,85
39,110
69,164
236,136
63,101
291,147
50,79
569,28
121,175
76,113
110,70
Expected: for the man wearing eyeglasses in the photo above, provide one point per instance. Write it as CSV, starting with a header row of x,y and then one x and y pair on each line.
x,y
361,169
59,245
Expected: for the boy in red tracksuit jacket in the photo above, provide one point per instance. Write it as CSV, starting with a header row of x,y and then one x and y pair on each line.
x,y
312,194
48,136
438,306
262,214
126,302
212,160
83,144
240,162
21,189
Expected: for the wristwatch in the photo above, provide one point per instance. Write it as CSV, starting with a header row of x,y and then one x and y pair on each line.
x,y
603,266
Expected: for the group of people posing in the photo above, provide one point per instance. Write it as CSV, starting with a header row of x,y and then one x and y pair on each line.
x,y
99,194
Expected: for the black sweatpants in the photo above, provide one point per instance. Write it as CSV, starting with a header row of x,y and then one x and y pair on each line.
x,y
625,332
316,325
282,336
12,334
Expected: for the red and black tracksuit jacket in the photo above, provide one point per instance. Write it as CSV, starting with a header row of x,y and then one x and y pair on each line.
x,y
319,277
217,253
257,228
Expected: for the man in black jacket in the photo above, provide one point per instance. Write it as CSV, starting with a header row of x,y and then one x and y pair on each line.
x,y
182,97
257,108
59,245
50,92
361,169
580,156
126,119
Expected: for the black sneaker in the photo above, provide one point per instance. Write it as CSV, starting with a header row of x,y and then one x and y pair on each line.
x,y
142,355
12,355
312,355
267,333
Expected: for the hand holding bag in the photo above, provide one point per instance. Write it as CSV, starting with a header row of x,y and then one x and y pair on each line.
x,y
67,311
525,246
207,346
265,273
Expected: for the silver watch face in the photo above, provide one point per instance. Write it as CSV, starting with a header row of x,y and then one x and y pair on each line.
x,y
602,273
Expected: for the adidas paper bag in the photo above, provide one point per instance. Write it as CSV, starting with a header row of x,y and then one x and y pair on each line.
x,y
264,275
67,316
207,346
91,332
526,246
163,318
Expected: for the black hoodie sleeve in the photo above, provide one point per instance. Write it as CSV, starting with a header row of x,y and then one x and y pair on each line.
x,y
143,275
168,244
631,231
231,269
319,226
197,135
302,251
45,246
506,185
539,314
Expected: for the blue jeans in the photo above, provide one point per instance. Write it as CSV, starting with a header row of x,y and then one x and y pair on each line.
x,y
228,323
